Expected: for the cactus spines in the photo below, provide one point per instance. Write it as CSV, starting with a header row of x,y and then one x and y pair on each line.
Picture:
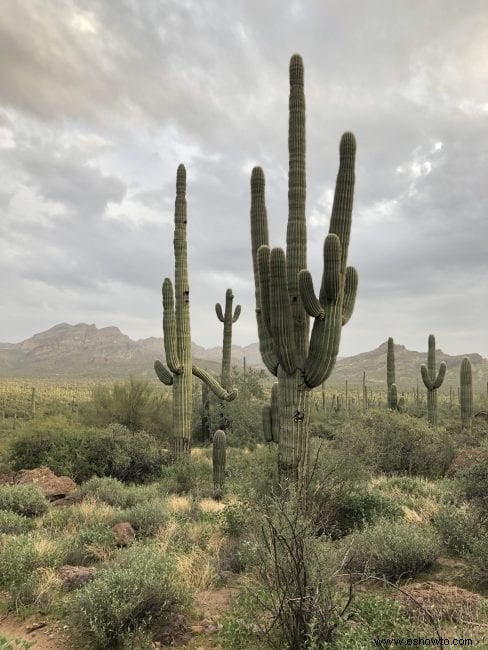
x,y
285,296
390,371
432,380
176,332
218,462
466,394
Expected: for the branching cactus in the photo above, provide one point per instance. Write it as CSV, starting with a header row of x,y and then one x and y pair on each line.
x,y
285,296
177,336
432,381
390,372
466,395
227,318
218,462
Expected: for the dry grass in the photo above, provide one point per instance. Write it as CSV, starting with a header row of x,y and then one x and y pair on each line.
x,y
198,569
92,511
166,535
211,506
176,503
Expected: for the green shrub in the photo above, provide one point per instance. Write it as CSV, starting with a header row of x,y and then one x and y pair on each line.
x,y
18,561
110,490
458,528
235,519
478,560
81,454
394,443
188,476
89,544
357,510
392,549
474,482
125,596
145,517
15,644
13,524
25,500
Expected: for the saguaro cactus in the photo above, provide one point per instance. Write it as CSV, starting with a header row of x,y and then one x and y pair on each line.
x,y
271,417
390,371
466,394
227,318
432,381
218,462
285,297
177,337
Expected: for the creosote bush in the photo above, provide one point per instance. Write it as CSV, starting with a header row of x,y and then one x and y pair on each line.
x,y
141,587
83,453
25,500
392,549
12,523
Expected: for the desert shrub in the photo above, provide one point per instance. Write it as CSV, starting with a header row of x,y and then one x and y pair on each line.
x,y
136,404
89,544
474,482
458,528
392,549
81,454
251,473
397,443
478,560
12,523
358,509
112,491
127,595
18,561
15,644
188,476
25,500
145,517
410,485
235,518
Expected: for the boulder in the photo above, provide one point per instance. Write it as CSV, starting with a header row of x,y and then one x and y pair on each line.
x,y
124,533
466,458
52,486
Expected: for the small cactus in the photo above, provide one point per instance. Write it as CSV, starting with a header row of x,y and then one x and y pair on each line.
x,y
218,462
390,373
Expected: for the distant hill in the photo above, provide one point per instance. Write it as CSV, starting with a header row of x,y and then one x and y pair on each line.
x,y
86,351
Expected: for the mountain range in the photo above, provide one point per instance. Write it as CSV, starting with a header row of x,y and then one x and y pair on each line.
x,y
87,351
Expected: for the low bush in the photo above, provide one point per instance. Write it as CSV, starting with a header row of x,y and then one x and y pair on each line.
x,y
478,560
81,454
125,596
145,517
25,500
191,475
458,528
13,524
474,482
89,544
358,509
392,549
115,493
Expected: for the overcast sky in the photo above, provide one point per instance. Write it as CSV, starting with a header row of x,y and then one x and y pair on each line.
x,y
100,100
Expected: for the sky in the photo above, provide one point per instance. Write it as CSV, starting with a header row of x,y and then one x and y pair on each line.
x,y
100,100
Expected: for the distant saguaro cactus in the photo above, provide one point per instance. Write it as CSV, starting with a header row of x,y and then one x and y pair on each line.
x,y
177,337
285,296
227,318
432,380
466,394
390,372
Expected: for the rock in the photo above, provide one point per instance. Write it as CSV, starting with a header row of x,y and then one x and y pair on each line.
x,y
76,576
176,632
52,486
124,533
35,626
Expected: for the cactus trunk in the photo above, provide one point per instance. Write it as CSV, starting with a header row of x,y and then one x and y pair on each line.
x,y
227,318
390,372
218,462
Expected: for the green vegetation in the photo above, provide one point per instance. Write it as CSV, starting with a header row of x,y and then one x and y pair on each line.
x,y
432,381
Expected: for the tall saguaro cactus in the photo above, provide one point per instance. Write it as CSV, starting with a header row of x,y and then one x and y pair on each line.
x,y
227,318
177,336
432,381
285,296
466,394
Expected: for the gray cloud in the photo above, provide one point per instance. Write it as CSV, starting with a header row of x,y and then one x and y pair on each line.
x,y
100,101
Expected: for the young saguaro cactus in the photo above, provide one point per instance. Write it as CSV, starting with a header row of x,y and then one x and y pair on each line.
x,y
285,297
177,337
218,462
466,394
432,381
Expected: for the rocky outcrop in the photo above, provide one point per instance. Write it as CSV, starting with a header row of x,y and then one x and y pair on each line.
x,y
52,486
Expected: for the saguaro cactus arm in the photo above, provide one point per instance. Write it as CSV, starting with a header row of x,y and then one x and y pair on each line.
x,y
169,328
350,290
213,384
281,314
163,373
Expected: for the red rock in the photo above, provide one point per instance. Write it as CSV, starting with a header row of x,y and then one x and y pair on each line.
x,y
52,486
124,533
